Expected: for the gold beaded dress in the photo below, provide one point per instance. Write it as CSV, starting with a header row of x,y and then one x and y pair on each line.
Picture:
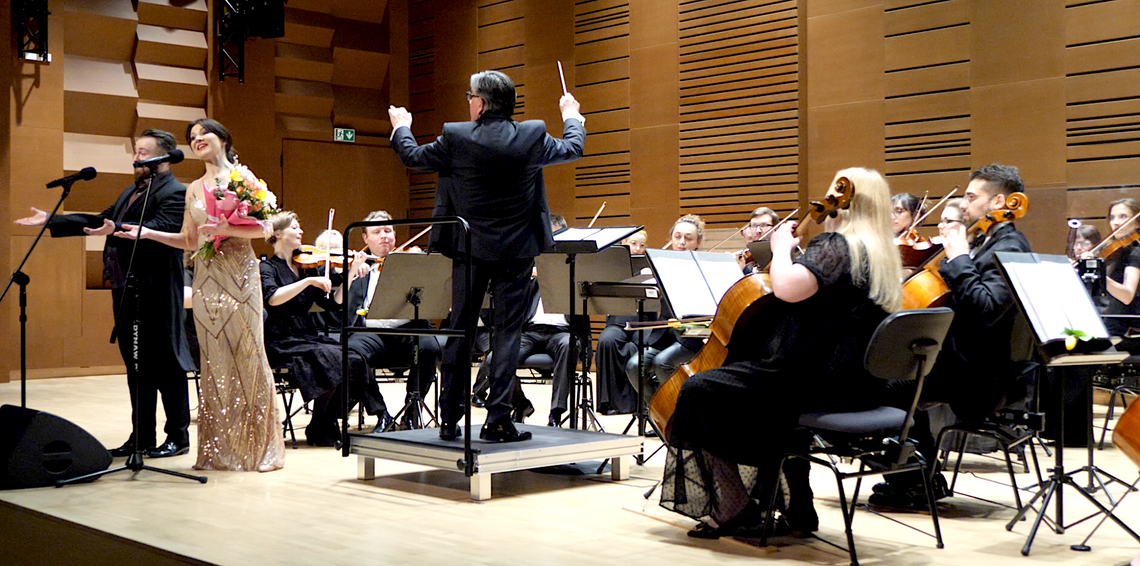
x,y
237,422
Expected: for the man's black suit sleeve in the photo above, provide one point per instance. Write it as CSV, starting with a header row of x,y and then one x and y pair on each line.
x,y
570,147
428,157
65,225
171,208
977,290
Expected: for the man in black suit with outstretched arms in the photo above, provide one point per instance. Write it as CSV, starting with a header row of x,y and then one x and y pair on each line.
x,y
156,271
490,174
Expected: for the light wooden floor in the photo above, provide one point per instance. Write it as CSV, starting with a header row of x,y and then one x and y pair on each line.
x,y
316,512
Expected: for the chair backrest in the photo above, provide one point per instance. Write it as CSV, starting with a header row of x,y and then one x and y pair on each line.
x,y
903,338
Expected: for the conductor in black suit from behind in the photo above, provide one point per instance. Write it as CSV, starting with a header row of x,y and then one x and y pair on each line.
x,y
490,173
156,271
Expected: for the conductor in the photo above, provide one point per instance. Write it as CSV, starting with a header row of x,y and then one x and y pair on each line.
x,y
490,173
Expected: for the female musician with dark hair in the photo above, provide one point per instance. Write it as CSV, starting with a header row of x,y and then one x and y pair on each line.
x,y
1122,269
806,356
905,208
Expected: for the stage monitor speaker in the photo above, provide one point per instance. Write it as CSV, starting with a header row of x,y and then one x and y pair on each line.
x,y
37,449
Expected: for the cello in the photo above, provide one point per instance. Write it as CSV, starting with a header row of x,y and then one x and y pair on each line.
x,y
739,305
926,288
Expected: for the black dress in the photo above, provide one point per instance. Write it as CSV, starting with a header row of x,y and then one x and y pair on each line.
x,y
793,359
1114,268
292,339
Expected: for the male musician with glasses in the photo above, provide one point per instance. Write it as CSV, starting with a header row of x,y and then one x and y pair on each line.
x,y
156,277
982,357
490,173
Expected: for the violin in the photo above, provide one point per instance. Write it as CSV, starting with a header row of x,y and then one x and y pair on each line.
x,y
1111,244
926,288
312,256
739,305
914,249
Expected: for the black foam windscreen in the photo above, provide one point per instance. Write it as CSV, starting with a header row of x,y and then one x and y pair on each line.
x,y
37,449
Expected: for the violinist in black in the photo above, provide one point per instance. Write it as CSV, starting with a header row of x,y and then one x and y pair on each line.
x,y
1122,270
291,336
732,425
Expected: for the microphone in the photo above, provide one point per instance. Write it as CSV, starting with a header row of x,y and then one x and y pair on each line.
x,y
175,156
86,174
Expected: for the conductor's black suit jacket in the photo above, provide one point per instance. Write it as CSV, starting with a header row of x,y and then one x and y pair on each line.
x,y
490,173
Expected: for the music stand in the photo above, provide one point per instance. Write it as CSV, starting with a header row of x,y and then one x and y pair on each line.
x,y
412,287
693,282
1052,298
573,242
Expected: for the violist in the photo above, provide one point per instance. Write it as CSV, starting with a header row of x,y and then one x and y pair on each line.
x,y
732,424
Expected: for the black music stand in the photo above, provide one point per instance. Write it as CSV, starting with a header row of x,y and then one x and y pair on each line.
x,y
414,287
1052,298
693,282
573,242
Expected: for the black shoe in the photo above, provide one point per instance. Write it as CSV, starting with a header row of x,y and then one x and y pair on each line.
x,y
519,415
908,496
382,422
748,524
167,450
450,431
478,400
321,441
123,451
555,419
503,431
801,520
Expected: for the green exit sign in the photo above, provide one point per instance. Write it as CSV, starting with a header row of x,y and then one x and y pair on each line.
x,y
344,135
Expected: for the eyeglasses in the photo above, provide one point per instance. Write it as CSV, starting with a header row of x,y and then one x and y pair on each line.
x,y
471,95
946,222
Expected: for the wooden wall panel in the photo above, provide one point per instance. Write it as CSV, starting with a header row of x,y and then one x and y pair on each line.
x,y
739,62
963,83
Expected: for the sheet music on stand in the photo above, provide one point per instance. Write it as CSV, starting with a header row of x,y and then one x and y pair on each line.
x,y
693,282
426,275
1053,299
590,240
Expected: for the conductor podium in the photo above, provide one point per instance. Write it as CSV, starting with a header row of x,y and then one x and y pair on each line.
x,y
429,294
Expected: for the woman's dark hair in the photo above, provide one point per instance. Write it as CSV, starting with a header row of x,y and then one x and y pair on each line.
x,y
1089,232
497,91
908,202
214,127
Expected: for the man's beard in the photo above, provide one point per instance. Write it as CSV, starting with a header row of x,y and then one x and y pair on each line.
x,y
141,175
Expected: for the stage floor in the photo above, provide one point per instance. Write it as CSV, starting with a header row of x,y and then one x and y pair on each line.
x,y
315,511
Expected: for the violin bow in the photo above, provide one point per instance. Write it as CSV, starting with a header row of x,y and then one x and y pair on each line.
x,y
328,256
778,224
721,243
1108,239
940,202
404,245
597,214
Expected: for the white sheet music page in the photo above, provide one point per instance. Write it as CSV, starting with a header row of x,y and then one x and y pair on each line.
x,y
1058,300
684,285
720,270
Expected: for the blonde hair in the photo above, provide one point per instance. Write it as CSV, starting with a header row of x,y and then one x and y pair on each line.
x,y
875,261
695,221
279,222
329,240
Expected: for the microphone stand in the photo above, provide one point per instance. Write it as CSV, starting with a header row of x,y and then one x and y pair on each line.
x,y
134,462
22,280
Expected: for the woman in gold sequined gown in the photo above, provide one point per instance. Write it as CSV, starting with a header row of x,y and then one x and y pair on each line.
x,y
237,423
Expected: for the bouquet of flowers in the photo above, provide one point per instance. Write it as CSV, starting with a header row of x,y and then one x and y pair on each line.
x,y
243,200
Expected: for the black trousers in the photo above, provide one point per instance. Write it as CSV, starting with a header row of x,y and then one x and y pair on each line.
x,y
160,373
553,341
507,281
390,351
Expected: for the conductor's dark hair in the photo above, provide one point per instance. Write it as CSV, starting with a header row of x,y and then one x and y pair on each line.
x,y
214,127
1006,178
164,139
497,91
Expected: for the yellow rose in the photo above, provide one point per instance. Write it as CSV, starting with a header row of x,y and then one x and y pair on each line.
x,y
235,175
259,194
